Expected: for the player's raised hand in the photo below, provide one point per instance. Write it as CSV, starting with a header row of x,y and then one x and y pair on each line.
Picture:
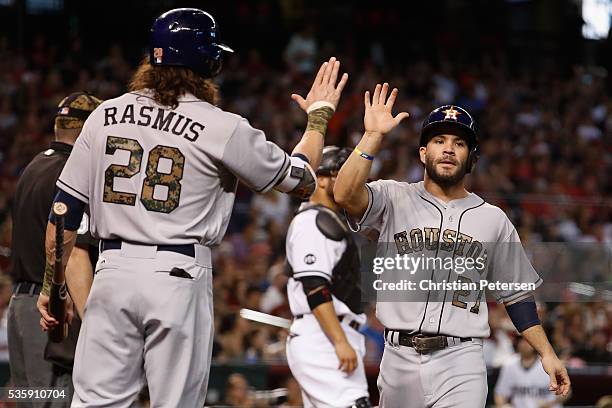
x,y
346,356
559,380
378,117
324,87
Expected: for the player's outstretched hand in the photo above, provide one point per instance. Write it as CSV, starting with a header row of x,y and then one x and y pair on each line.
x,y
324,88
347,357
378,117
46,321
559,380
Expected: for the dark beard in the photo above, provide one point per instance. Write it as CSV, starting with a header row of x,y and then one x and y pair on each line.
x,y
443,180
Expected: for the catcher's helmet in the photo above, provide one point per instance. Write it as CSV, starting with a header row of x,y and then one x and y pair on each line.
x,y
453,120
332,159
187,37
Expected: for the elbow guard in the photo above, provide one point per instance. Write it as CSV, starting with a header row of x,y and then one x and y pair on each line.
x,y
300,180
523,314
317,291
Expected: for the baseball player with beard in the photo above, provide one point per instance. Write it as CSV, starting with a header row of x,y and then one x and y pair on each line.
x,y
433,352
159,167
325,349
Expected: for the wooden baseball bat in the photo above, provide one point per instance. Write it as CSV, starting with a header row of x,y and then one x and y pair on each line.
x,y
58,292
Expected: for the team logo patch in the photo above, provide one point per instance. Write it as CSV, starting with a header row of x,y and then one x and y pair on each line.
x,y
158,54
64,110
310,259
451,113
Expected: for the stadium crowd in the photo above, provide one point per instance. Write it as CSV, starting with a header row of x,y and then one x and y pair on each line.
x,y
546,159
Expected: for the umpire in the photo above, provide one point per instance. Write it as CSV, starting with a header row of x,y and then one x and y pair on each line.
x,y
33,362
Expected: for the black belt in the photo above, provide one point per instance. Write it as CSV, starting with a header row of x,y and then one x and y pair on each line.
x,y
27,288
422,343
352,323
186,249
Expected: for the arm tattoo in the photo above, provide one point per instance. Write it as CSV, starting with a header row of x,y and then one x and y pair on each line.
x,y
318,118
47,279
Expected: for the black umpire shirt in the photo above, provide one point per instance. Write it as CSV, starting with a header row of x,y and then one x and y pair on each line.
x,y
31,205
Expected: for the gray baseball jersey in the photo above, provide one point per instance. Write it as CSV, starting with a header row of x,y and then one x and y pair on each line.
x,y
411,220
158,176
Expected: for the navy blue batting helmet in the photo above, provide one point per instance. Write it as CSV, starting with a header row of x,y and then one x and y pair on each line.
x,y
187,37
452,120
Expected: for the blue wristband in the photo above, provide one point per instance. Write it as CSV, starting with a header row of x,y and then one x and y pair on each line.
x,y
364,155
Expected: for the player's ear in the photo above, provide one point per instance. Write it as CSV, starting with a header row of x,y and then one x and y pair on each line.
x,y
422,151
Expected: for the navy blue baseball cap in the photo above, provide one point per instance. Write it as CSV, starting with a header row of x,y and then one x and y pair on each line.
x,y
452,120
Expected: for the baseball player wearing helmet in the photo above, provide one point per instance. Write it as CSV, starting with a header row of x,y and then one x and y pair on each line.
x,y
433,352
158,167
325,349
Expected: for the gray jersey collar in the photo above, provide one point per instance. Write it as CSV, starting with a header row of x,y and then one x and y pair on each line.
x,y
461,203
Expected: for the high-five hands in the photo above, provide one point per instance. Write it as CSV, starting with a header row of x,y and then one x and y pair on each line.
x,y
324,88
378,117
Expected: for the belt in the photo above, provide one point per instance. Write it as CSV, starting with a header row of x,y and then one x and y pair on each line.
x,y
27,288
185,249
343,318
423,343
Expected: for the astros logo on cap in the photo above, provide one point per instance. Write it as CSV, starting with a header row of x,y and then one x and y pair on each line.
x,y
451,113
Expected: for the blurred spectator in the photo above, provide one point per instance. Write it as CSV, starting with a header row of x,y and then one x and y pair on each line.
x,y
237,393
301,52
256,346
523,382
275,297
253,297
232,337
271,207
498,347
595,349
275,351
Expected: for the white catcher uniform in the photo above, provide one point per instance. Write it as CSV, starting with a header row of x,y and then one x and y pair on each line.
x,y
310,353
410,219
160,184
